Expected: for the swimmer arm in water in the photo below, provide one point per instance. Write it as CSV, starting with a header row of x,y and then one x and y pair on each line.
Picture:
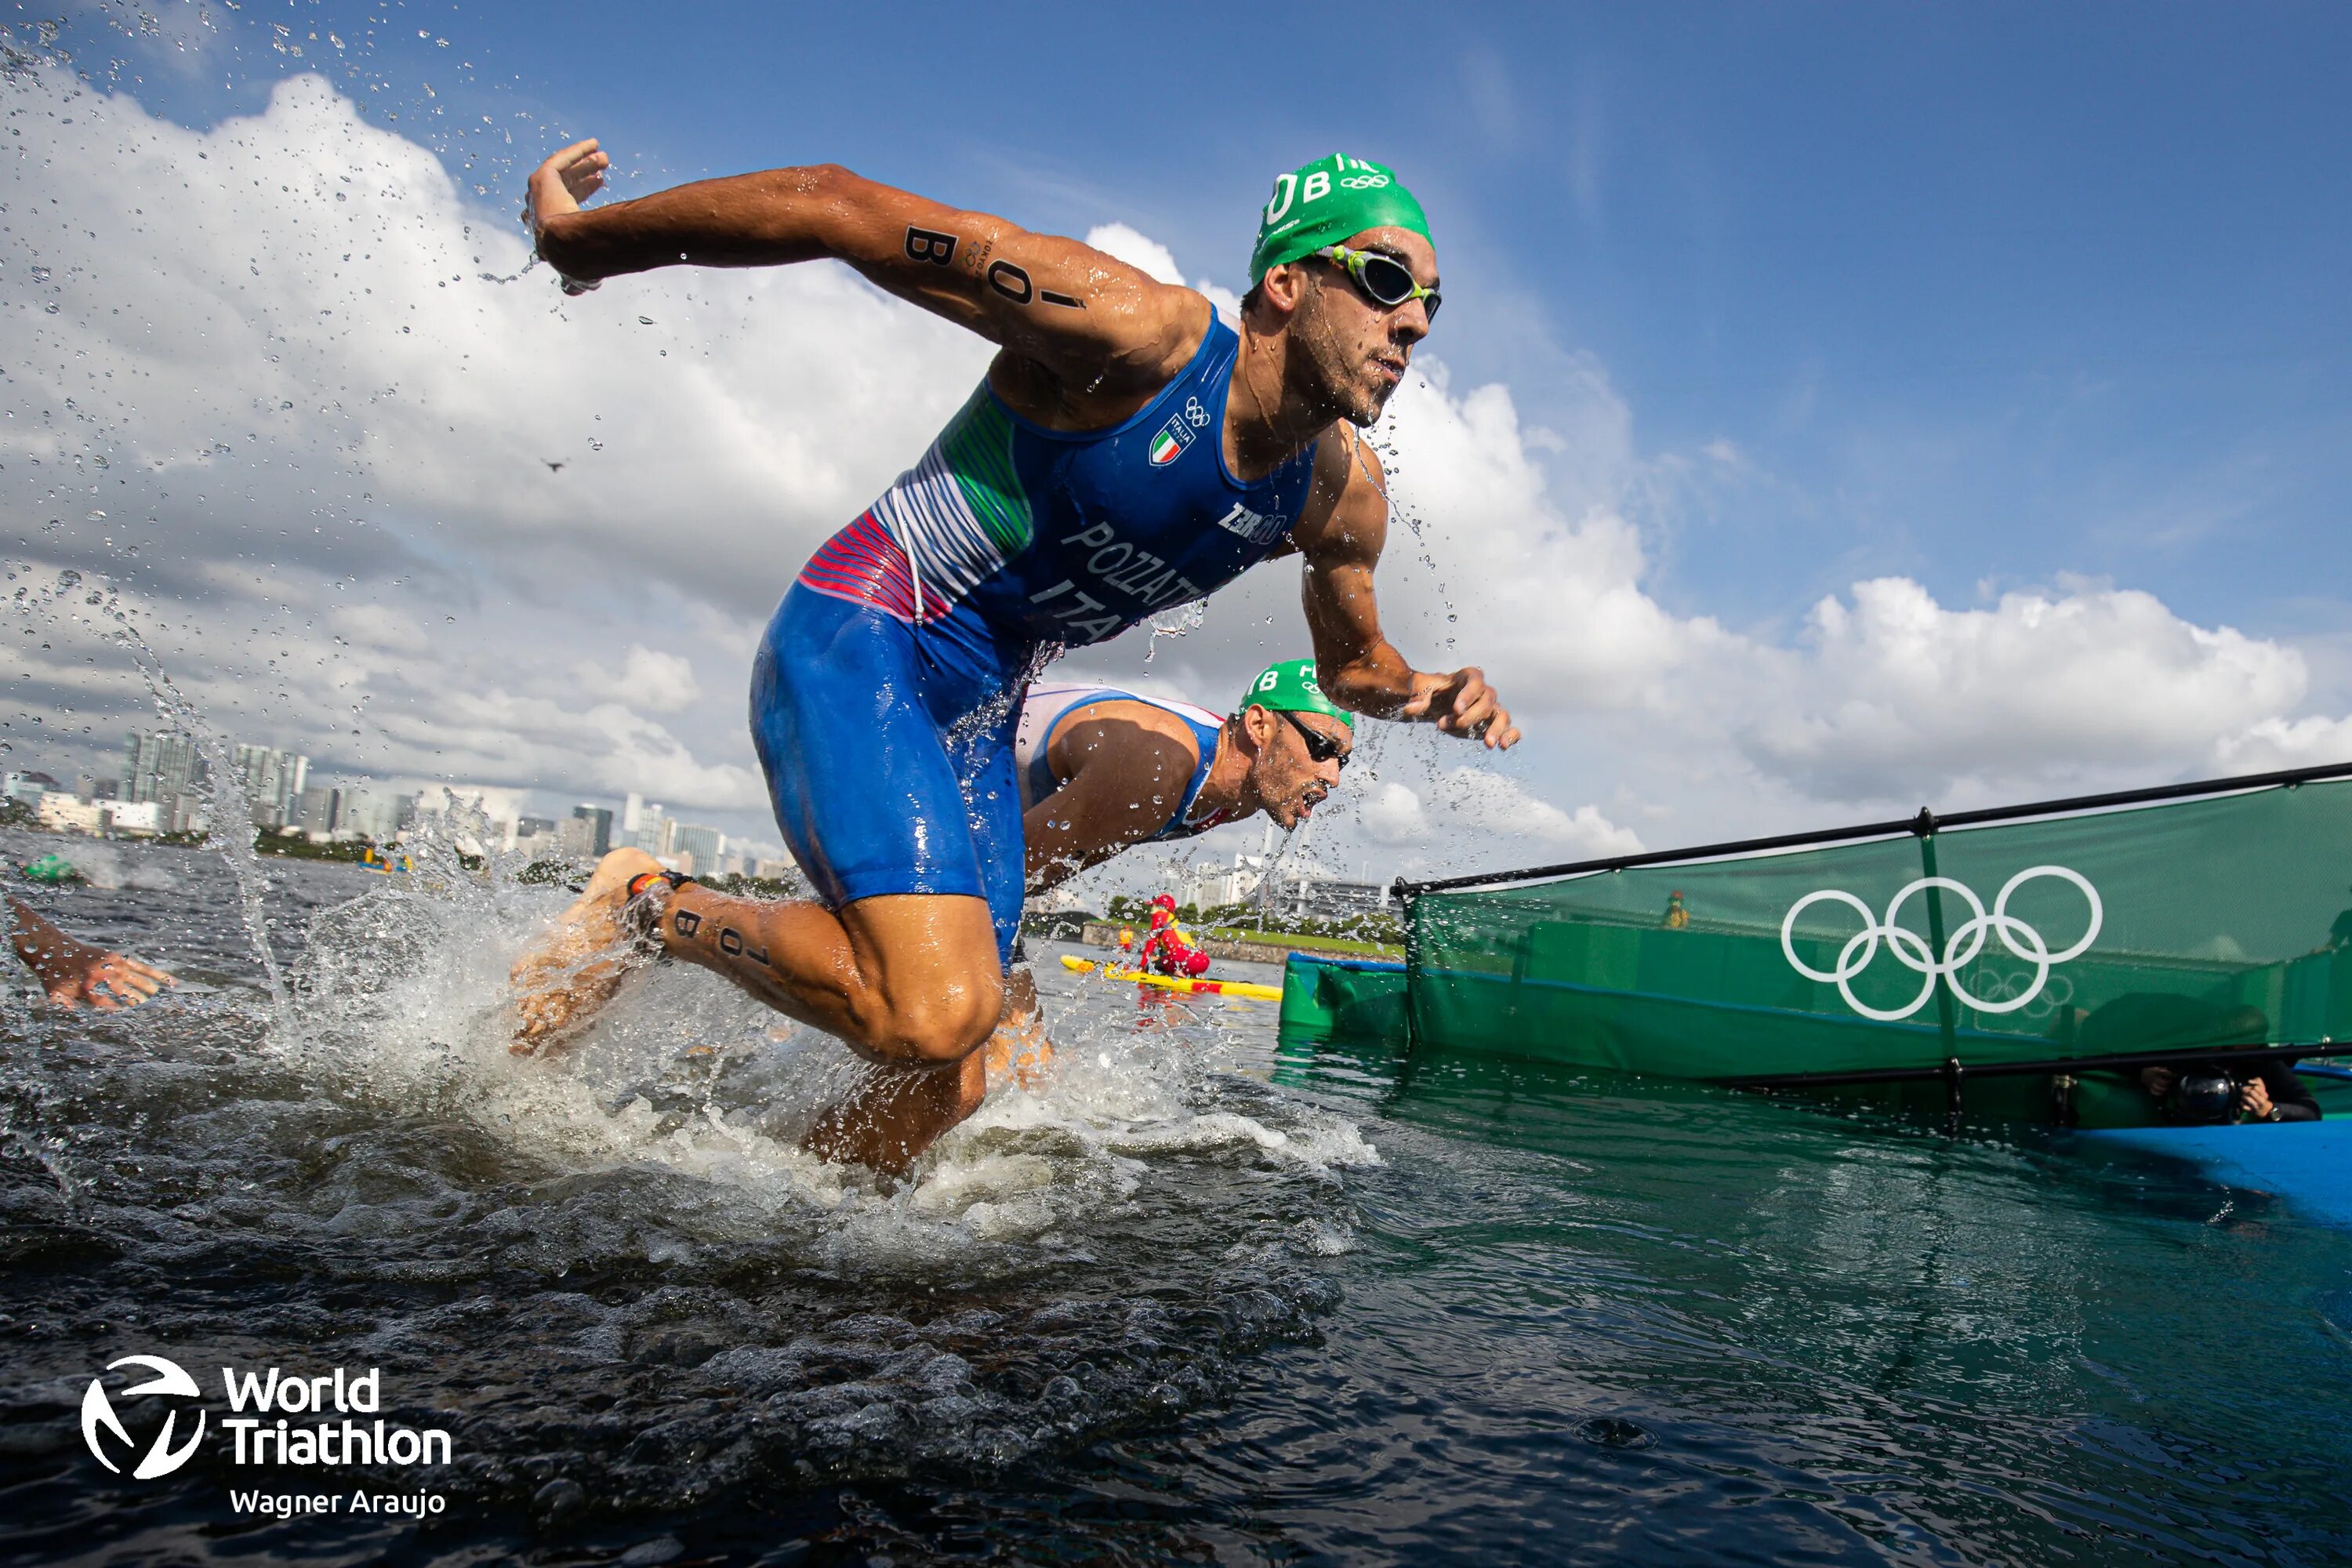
x,y
74,972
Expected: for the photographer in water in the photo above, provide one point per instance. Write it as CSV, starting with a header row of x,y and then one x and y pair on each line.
x,y
2200,1093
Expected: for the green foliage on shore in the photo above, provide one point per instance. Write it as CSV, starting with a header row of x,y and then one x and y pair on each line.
x,y
1056,925
1367,934
1310,939
293,847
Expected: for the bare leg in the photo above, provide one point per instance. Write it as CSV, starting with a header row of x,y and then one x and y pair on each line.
x,y
1019,1046
908,981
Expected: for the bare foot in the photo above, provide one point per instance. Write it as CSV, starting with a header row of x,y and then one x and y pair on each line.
x,y
568,977
895,1112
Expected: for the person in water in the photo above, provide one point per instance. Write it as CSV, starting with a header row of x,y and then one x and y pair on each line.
x,y
1103,770
1126,452
73,972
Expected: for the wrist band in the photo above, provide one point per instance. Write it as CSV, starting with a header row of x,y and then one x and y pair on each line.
x,y
642,907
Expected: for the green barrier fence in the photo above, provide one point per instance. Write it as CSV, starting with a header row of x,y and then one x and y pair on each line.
x,y
2126,929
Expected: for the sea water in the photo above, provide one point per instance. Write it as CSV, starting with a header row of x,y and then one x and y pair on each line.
x,y
1185,1298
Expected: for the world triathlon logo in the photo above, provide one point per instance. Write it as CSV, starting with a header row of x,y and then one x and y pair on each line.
x,y
98,1415
1961,947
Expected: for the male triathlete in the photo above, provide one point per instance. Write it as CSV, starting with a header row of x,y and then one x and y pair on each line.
x,y
1126,452
1101,769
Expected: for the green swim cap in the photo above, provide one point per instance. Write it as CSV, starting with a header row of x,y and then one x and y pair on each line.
x,y
1290,686
1323,203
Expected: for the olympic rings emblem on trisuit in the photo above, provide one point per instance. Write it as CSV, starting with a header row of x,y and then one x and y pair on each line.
x,y
1911,950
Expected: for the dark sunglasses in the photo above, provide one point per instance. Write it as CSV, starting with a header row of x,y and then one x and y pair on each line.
x,y
1383,278
1321,747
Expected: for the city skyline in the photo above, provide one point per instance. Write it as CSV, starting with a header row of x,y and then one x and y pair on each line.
x,y
162,783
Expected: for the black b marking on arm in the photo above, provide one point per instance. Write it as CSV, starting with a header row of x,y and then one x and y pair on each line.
x,y
686,922
929,245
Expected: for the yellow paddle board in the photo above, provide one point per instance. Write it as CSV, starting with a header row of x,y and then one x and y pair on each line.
x,y
1172,983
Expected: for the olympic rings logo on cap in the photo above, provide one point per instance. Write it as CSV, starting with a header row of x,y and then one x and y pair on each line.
x,y
1364,181
1912,950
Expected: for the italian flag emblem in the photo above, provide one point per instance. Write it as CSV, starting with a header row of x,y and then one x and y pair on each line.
x,y
1170,444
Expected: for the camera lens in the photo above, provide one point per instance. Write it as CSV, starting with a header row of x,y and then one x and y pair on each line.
x,y
2203,1096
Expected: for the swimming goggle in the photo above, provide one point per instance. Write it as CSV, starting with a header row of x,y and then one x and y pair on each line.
x,y
1383,278
1321,747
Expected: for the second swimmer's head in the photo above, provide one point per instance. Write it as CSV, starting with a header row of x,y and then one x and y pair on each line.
x,y
1299,738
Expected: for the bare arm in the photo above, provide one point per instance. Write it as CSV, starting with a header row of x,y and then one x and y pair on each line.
x,y
1127,764
74,972
1356,667
1070,308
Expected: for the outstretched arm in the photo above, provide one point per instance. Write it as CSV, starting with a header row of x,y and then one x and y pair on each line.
x,y
1356,666
74,972
1067,306
1127,770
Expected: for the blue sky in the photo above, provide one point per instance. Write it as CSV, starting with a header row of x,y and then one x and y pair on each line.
x,y
1982,291
1990,298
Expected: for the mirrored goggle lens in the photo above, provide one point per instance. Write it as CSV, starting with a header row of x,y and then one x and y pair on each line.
x,y
1388,281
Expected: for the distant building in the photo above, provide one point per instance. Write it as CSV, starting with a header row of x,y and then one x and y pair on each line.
x,y
600,828
498,805
60,812
317,810
273,781
1207,887
703,846
183,813
644,827
160,766
774,870
26,788
137,819
370,812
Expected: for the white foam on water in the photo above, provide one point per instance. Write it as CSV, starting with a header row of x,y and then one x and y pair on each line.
x,y
102,865
403,997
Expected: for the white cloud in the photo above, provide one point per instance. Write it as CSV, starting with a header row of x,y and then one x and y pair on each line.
x,y
2273,744
1898,692
1392,814
1156,260
649,680
1474,801
311,383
